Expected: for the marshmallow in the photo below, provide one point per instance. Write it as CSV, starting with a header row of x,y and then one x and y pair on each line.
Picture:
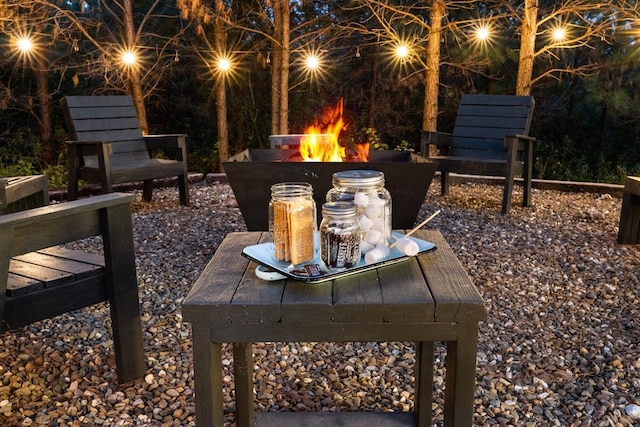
x,y
373,236
361,199
407,246
365,247
378,224
374,210
379,253
365,223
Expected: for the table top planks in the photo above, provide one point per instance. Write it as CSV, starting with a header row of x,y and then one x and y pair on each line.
x,y
432,287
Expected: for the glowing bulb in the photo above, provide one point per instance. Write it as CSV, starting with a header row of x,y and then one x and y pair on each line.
x,y
482,33
559,34
224,64
313,62
129,58
25,44
402,51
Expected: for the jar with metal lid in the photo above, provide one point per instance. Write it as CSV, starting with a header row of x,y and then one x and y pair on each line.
x,y
339,235
292,222
365,188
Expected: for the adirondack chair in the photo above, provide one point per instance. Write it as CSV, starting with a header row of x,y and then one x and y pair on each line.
x,y
39,280
23,192
490,138
108,147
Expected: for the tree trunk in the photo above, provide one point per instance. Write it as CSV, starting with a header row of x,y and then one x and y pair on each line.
x,y
276,67
135,86
44,101
280,69
220,38
432,78
284,80
527,47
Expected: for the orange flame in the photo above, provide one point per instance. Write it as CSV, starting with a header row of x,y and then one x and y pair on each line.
x,y
316,146
320,143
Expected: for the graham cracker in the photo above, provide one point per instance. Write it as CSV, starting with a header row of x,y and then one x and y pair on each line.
x,y
281,231
301,229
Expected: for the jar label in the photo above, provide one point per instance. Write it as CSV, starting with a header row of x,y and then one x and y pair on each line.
x,y
340,250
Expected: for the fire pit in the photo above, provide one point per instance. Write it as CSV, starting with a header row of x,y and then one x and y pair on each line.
x,y
252,172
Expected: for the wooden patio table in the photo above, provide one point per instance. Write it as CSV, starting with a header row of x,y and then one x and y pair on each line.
x,y
425,299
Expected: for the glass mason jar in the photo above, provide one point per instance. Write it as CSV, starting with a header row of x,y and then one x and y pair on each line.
x,y
292,222
365,188
339,235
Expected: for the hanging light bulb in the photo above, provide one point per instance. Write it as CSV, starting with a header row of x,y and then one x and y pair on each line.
x,y
268,57
176,58
312,62
128,57
402,51
224,64
358,52
483,33
559,34
25,44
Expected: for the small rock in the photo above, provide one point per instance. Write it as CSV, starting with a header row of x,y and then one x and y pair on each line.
x,y
633,411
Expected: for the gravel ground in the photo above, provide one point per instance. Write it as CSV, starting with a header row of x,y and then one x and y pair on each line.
x,y
559,345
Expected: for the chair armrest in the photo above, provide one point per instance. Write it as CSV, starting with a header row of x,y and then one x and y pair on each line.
x,y
159,142
51,225
441,140
174,142
87,142
519,142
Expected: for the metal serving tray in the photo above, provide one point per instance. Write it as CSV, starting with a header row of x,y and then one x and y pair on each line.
x,y
262,254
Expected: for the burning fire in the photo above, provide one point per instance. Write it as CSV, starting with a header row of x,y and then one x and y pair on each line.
x,y
320,140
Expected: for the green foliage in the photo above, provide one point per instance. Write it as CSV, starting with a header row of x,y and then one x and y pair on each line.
x,y
404,146
19,157
57,176
19,147
21,168
18,154
204,159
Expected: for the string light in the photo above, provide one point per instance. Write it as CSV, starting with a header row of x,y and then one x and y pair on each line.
x,y
224,64
402,51
312,62
129,58
24,44
482,33
559,34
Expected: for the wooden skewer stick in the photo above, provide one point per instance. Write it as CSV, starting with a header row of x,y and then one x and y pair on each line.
x,y
417,227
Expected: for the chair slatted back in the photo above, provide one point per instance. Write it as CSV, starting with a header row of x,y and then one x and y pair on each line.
x,y
106,118
484,120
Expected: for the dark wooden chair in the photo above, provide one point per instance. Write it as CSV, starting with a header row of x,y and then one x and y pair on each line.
x,y
490,138
629,227
23,192
108,147
39,280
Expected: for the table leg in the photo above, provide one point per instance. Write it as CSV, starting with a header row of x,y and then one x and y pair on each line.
x,y
461,376
243,374
207,369
424,383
